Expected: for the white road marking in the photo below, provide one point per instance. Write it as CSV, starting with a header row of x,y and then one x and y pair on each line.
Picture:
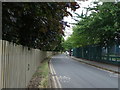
x,y
59,85
53,78
113,74
64,79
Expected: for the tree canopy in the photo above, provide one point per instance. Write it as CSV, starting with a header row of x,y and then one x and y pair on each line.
x,y
101,27
35,24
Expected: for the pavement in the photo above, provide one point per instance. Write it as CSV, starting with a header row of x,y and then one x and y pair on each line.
x,y
69,73
109,67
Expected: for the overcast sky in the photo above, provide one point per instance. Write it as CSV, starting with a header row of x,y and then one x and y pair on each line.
x,y
68,31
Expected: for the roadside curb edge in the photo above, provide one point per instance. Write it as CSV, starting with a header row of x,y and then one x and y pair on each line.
x,y
96,66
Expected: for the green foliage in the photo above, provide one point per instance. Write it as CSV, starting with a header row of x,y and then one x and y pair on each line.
x,y
102,26
67,44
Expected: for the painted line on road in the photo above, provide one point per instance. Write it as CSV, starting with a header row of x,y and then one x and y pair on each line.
x,y
54,77
58,82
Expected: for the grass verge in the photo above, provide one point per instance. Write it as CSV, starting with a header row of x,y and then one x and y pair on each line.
x,y
41,77
44,72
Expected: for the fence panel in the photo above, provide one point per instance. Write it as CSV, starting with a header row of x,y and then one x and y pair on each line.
x,y
98,53
18,64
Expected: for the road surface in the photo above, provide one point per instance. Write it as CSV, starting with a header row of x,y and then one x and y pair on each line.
x,y
74,74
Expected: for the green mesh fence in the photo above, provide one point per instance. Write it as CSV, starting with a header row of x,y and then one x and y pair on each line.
x,y
95,53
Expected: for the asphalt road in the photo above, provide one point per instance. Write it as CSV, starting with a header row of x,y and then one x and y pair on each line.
x,y
74,74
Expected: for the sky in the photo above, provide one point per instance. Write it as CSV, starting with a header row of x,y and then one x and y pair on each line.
x,y
68,31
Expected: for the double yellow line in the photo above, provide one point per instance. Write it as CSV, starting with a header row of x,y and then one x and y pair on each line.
x,y
54,77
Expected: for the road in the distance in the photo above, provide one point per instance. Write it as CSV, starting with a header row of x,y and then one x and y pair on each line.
x,y
74,74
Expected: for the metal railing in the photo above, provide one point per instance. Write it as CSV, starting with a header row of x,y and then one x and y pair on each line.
x,y
94,53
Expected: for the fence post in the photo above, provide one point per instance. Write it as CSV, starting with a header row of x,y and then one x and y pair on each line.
x,y
108,51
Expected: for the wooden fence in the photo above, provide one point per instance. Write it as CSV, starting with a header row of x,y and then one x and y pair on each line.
x,y
18,64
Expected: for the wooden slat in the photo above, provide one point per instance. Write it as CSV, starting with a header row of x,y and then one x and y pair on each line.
x,y
14,63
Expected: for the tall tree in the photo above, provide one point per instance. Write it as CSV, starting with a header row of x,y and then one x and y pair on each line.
x,y
102,26
36,24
